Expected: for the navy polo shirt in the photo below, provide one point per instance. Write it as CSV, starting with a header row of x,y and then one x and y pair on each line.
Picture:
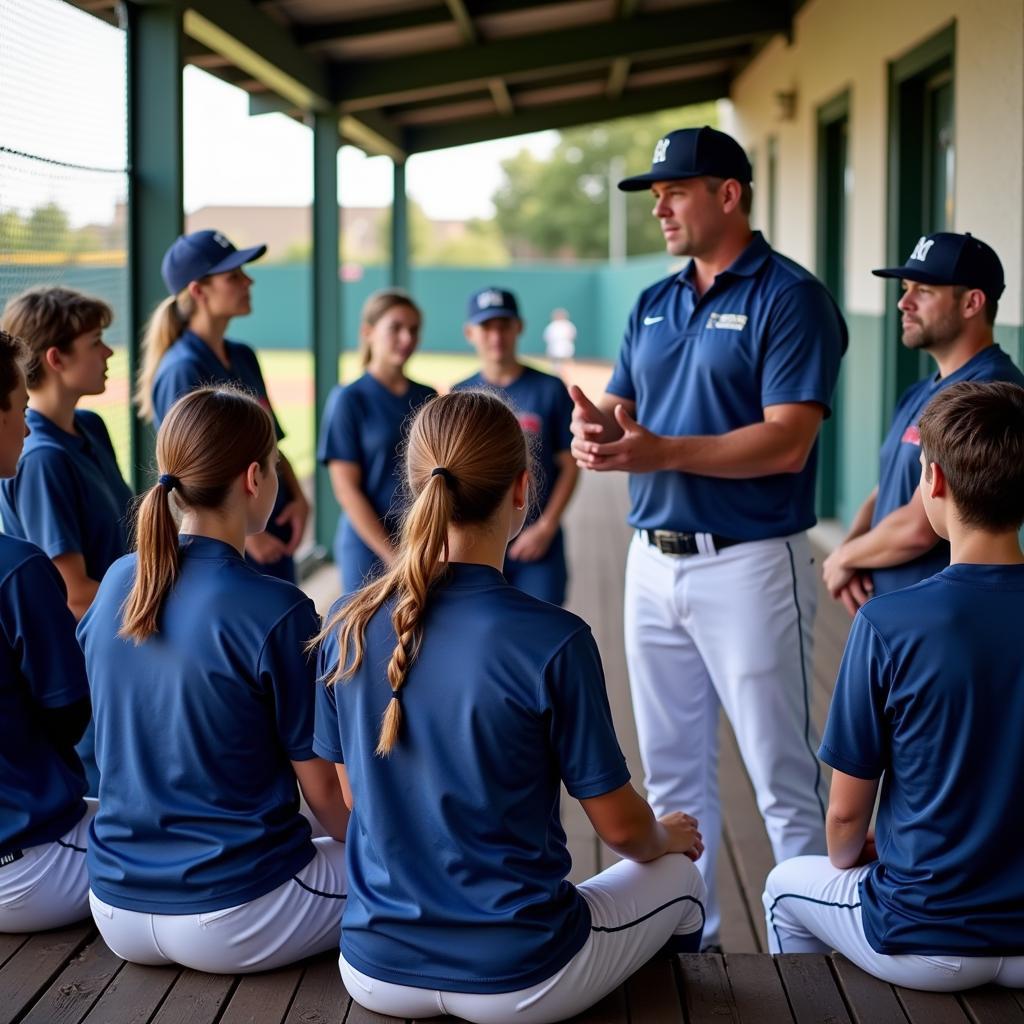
x,y
195,731
68,496
41,667
930,698
189,364
456,855
766,332
544,408
364,422
900,466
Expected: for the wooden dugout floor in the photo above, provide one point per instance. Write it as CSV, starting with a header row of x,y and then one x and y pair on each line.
x,y
70,977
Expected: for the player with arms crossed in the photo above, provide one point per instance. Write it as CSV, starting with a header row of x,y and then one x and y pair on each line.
x,y
725,374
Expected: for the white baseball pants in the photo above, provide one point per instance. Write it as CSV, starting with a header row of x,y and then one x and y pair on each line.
x,y
634,908
293,921
731,629
48,886
812,907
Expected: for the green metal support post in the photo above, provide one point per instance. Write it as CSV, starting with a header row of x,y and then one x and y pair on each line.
x,y
399,229
155,180
326,301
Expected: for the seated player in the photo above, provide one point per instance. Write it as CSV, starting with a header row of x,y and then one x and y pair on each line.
x,y
929,704
44,709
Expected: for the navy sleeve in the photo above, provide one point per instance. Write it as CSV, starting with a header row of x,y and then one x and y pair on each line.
x,y
581,732
339,434
48,502
173,379
40,631
327,731
805,341
289,676
856,739
621,383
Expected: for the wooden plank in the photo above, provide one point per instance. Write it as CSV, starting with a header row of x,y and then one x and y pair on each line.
x,y
196,998
262,997
757,991
134,995
869,1000
9,945
77,987
36,963
930,1007
811,989
738,934
652,994
991,1005
321,997
707,996
359,1015
610,1010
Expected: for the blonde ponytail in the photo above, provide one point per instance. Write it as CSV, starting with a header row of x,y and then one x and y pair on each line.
x,y
464,452
164,328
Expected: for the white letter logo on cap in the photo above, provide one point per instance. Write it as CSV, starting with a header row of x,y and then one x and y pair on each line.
x,y
661,151
487,299
221,240
921,249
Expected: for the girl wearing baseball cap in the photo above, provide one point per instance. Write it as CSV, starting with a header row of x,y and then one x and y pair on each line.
x,y
185,347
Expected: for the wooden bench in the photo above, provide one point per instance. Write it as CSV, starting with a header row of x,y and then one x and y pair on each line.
x,y
70,977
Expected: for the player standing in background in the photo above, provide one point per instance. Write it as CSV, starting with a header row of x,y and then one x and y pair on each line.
x,y
44,709
724,376
203,698
928,704
361,434
185,348
560,340
68,496
951,289
536,558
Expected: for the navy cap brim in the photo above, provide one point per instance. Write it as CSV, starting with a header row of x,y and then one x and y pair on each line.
x,y
493,313
910,274
642,182
237,259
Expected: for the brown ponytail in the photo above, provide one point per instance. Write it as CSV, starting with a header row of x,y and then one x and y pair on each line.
x,y
208,439
476,439
165,327
374,308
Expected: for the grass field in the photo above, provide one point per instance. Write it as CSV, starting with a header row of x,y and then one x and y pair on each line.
x,y
289,377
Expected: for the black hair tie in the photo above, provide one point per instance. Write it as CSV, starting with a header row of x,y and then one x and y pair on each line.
x,y
169,481
449,477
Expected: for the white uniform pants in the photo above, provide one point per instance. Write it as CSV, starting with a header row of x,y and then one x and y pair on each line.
x,y
732,629
48,886
293,921
813,907
634,909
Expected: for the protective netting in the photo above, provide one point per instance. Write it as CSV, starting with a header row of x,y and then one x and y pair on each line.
x,y
63,170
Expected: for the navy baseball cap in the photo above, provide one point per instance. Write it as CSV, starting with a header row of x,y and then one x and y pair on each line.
x,y
692,153
948,258
490,303
200,254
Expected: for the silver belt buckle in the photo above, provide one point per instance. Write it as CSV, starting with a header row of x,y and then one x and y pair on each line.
x,y
668,542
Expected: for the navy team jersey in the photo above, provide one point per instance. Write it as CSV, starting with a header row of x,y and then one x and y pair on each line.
x,y
900,465
544,408
195,731
68,496
41,667
766,332
189,364
456,856
930,698
364,423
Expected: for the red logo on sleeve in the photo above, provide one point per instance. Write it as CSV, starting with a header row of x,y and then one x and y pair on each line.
x,y
912,435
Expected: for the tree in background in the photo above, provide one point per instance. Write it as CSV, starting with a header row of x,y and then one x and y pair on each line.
x,y
558,208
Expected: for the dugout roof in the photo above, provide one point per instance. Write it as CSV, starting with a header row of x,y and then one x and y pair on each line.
x,y
407,76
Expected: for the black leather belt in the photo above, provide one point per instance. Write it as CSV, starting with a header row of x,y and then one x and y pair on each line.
x,y
669,542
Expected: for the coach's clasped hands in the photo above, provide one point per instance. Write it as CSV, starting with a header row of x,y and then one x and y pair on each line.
x,y
602,442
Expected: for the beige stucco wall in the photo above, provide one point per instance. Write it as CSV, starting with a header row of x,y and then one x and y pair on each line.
x,y
847,44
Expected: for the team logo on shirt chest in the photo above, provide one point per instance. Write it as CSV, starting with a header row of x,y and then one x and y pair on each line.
x,y
726,321
530,422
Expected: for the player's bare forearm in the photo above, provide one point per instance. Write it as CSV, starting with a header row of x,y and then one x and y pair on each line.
x,y
862,520
851,802
346,481
901,536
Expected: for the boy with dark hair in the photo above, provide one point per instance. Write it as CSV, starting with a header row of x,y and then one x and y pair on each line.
x,y
929,702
